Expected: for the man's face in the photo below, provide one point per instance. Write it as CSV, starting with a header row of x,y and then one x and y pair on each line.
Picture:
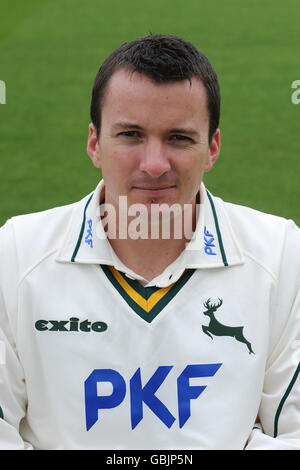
x,y
153,145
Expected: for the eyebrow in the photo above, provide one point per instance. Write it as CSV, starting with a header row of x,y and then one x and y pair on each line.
x,y
177,130
185,130
125,125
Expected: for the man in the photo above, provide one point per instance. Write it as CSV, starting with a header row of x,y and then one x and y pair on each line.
x,y
117,336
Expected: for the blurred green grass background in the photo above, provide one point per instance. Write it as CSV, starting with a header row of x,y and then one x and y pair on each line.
x,y
50,52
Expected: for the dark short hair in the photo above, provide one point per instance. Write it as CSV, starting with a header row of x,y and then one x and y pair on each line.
x,y
163,58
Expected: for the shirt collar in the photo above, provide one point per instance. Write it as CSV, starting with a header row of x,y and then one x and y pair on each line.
x,y
213,245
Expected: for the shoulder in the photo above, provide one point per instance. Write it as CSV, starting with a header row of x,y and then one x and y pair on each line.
x,y
29,237
250,223
266,238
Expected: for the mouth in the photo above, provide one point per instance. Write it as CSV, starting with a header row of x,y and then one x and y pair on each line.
x,y
154,189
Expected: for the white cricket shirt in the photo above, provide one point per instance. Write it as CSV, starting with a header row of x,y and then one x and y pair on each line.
x,y
205,359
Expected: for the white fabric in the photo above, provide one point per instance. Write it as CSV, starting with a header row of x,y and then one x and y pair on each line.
x,y
49,274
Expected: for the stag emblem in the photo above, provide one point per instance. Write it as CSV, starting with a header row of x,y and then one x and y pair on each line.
x,y
217,329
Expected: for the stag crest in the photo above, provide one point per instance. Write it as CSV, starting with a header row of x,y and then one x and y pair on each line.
x,y
218,329
212,307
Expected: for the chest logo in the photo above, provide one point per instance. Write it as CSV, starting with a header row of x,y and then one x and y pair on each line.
x,y
209,242
218,329
73,324
89,234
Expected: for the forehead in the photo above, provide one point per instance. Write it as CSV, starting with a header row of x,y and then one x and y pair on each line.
x,y
131,95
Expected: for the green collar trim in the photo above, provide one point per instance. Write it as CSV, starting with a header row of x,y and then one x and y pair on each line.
x,y
146,292
81,231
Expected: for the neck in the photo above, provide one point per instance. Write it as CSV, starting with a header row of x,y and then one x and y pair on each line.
x,y
148,248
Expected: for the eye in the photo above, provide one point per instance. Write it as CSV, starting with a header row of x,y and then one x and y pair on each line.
x,y
181,138
130,134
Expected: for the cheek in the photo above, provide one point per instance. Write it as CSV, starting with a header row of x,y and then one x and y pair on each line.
x,y
193,168
193,176
117,167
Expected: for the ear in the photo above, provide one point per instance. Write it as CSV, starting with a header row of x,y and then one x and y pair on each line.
x,y
93,146
214,150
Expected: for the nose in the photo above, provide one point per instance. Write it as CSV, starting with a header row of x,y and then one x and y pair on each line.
x,y
154,160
